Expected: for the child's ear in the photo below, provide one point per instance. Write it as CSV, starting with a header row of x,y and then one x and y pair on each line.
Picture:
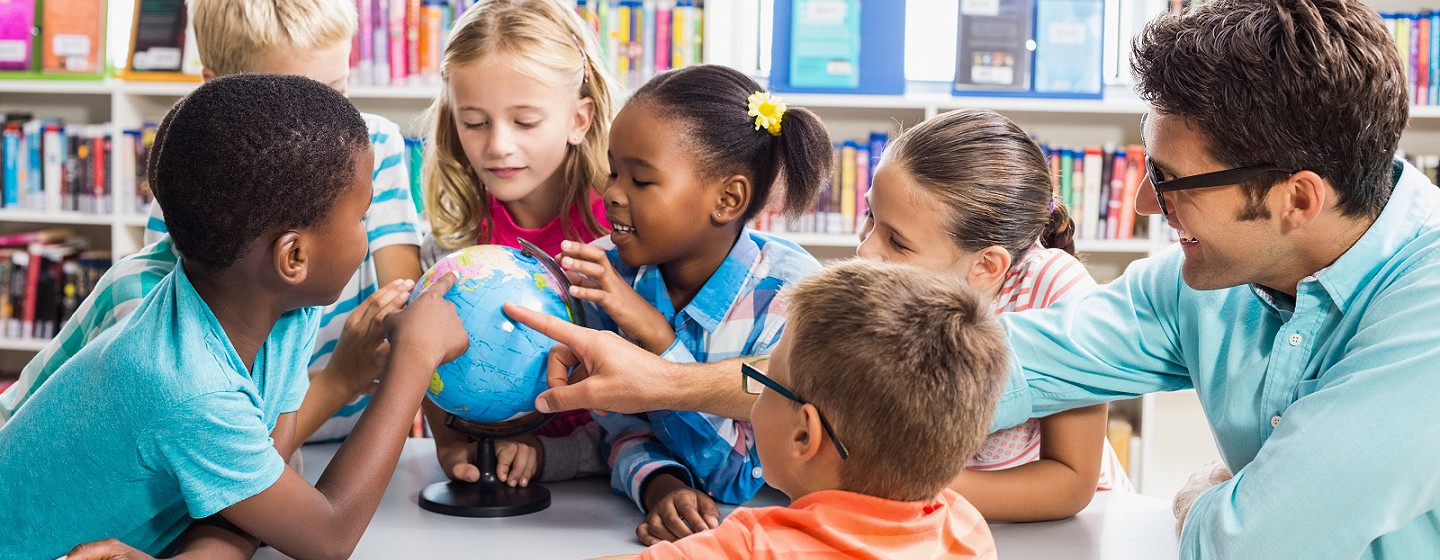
x,y
207,74
584,117
989,267
733,199
806,442
290,255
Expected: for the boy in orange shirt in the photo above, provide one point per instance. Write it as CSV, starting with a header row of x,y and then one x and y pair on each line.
x,y
872,352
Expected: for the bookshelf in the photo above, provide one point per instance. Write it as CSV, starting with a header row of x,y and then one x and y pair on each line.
x,y
732,38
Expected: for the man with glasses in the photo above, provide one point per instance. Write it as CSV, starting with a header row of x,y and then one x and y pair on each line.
x,y
1301,302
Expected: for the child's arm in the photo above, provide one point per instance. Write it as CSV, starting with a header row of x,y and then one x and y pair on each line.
x,y
357,361
595,280
327,519
676,510
549,459
1058,485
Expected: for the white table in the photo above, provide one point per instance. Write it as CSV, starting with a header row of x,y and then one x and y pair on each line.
x,y
585,520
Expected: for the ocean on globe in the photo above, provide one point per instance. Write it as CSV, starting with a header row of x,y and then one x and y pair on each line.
x,y
498,378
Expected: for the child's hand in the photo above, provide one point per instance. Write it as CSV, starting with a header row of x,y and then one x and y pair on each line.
x,y
108,549
429,328
518,459
594,280
677,512
457,456
360,353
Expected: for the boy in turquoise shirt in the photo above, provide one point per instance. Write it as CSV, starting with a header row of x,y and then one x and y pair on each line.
x,y
185,409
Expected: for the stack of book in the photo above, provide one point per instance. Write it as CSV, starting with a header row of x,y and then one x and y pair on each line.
x,y
1417,37
401,42
640,38
44,275
52,166
841,206
1096,183
52,38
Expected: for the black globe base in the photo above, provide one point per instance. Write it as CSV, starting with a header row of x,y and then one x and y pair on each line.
x,y
482,499
488,496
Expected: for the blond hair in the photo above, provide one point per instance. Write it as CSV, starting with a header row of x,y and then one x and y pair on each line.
x,y
906,364
232,34
548,40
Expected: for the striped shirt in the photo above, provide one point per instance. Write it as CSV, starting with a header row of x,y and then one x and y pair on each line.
x,y
1041,278
391,220
736,313
839,524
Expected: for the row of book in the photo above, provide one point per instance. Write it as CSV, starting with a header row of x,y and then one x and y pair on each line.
x,y
52,37
1429,164
50,165
44,275
842,204
1096,183
640,38
1417,37
401,42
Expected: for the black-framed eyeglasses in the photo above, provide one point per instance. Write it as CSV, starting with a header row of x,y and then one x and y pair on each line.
x,y
755,381
1221,178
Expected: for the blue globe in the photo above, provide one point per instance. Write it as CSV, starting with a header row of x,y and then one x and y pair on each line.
x,y
498,378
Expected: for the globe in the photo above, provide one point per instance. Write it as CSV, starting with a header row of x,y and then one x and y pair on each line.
x,y
498,378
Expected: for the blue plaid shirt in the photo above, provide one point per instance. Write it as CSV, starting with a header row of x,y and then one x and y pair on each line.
x,y
735,314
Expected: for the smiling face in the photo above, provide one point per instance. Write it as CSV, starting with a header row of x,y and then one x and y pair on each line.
x,y
657,199
906,225
516,130
1221,249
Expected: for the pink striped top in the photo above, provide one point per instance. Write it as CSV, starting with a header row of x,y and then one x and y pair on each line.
x,y
1041,278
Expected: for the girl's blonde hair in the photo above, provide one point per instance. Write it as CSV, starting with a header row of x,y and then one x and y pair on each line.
x,y
547,40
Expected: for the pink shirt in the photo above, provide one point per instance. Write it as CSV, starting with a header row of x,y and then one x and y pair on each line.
x,y
548,238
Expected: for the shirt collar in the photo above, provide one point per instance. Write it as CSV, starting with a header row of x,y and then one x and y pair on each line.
x,y
1412,201
712,304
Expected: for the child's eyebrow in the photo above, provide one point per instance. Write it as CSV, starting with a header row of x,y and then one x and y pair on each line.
x,y
639,162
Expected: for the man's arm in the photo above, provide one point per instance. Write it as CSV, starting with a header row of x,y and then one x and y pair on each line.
x,y
612,374
1116,342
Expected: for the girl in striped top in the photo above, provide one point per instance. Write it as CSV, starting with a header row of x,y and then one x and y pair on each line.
x,y
970,194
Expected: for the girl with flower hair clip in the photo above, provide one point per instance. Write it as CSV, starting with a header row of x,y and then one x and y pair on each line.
x,y
695,155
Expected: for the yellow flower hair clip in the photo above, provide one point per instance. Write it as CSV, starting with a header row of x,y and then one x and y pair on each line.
x,y
767,110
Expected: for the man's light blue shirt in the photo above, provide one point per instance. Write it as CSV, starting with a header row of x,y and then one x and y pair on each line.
x,y
1324,405
152,424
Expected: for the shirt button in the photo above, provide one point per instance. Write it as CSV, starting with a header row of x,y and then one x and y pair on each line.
x,y
1275,421
1296,339
756,472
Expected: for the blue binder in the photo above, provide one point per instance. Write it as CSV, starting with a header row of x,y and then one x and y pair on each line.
x,y
882,50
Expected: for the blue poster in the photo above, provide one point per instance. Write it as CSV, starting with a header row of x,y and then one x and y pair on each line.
x,y
1069,43
825,44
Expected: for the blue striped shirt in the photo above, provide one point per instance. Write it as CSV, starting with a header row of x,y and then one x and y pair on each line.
x,y
736,313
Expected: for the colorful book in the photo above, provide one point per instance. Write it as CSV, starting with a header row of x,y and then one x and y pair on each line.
x,y
72,35
17,25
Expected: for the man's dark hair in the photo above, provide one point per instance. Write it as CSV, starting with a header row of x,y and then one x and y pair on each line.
x,y
251,154
1303,84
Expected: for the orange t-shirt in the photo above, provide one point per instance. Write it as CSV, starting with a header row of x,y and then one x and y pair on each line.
x,y
839,524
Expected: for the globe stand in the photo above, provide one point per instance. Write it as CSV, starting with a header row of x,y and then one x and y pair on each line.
x,y
488,496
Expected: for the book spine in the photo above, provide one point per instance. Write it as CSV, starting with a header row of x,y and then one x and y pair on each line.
x,y
365,48
398,55
847,187
380,25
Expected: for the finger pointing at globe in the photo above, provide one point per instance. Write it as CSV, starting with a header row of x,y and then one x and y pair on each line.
x,y
610,373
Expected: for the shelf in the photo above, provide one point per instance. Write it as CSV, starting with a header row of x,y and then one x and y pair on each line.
x,y
168,89
1125,246
23,344
43,217
1136,246
58,87
421,93
134,220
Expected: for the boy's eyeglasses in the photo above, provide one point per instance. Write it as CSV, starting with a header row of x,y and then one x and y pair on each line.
x,y
755,381
1220,178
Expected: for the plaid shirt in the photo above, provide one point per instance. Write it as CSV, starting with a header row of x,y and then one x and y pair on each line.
x,y
737,313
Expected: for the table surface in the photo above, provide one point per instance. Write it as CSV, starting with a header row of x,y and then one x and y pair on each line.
x,y
586,520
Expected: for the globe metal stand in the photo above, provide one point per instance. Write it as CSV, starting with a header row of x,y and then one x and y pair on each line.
x,y
488,496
